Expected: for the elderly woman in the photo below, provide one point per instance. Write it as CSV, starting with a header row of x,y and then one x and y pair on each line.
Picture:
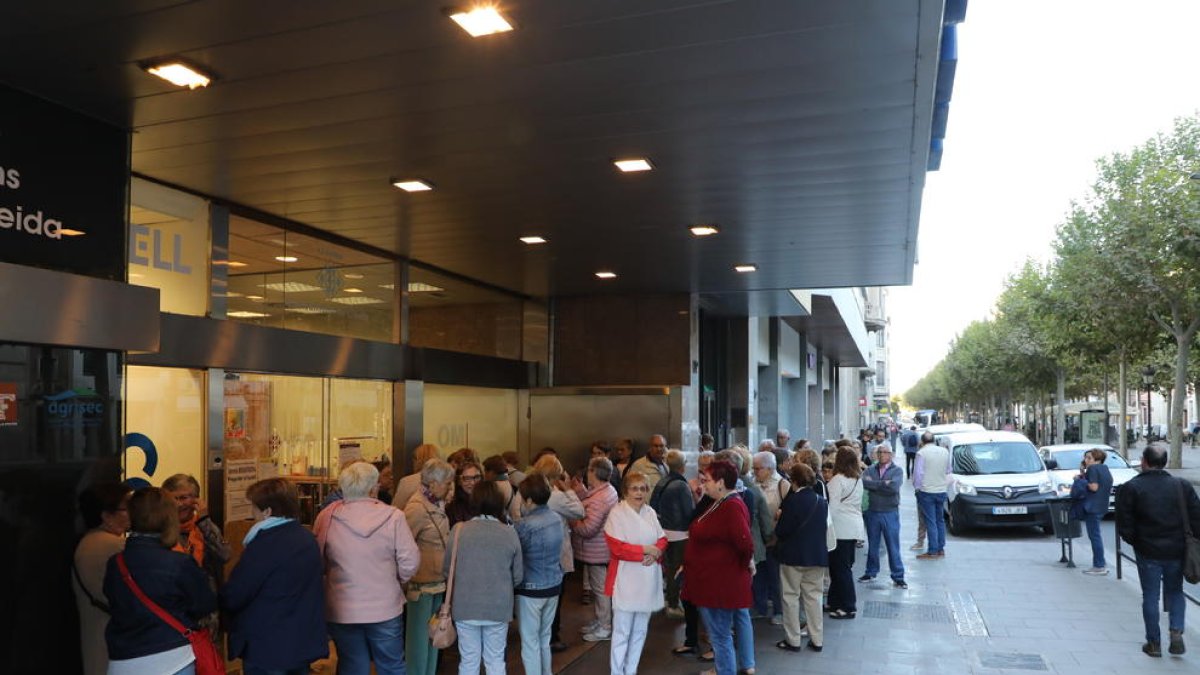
x,y
488,566
716,568
541,535
274,593
766,579
812,460
138,641
430,527
468,476
564,502
803,558
199,536
587,539
703,460
104,510
636,543
845,501
369,554
409,485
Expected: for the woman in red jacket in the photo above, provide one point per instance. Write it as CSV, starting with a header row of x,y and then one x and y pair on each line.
x,y
717,564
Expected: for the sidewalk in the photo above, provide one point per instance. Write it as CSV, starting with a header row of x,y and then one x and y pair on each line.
x,y
998,603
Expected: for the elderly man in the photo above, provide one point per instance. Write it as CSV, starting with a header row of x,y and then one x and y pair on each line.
x,y
1149,517
672,501
882,482
651,466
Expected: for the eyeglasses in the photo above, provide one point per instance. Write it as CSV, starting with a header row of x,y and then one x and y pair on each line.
x,y
471,479
639,488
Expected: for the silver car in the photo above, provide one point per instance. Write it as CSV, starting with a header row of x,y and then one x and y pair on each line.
x,y
1063,462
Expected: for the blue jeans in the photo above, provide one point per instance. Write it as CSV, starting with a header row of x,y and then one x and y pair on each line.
x,y
724,627
1168,574
766,586
534,618
884,524
1092,522
933,506
360,644
481,639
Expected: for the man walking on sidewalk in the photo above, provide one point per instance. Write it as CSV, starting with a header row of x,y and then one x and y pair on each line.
x,y
882,482
1150,516
931,478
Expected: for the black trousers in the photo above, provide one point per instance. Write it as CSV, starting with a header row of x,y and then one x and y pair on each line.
x,y
841,577
910,464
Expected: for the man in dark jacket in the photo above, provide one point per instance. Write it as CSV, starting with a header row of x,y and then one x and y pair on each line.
x,y
672,501
882,483
1150,517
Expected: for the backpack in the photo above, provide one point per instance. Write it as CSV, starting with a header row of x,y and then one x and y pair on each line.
x,y
911,441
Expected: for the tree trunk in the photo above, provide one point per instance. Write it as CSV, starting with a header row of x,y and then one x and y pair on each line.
x,y
1183,342
1123,401
1060,413
1106,412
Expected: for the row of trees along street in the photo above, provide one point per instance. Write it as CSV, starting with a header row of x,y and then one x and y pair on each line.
x,y
1121,291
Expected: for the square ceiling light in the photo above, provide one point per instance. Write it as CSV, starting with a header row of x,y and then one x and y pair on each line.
x,y
606,274
179,74
481,21
704,230
247,315
745,268
413,185
534,240
422,287
290,287
633,164
357,300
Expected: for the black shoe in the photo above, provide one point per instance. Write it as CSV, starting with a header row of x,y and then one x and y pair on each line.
x,y
841,614
899,583
815,648
1177,646
1153,649
866,577
558,646
783,644
683,650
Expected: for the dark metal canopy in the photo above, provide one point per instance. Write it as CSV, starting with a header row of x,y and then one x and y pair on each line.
x,y
802,128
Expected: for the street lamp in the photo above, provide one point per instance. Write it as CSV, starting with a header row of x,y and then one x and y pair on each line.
x,y
1148,380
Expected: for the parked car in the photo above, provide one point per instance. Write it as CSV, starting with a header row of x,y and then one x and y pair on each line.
x,y
953,428
998,480
1063,463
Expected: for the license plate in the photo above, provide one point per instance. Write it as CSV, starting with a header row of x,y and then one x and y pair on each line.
x,y
1009,510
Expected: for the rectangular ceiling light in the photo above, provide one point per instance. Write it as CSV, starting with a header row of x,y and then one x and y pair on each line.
x,y
533,240
357,300
744,269
421,287
229,263
247,315
604,274
413,185
704,230
68,232
179,74
481,21
633,165
290,287
309,309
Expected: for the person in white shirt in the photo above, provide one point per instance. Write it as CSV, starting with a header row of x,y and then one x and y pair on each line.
x,y
651,466
931,478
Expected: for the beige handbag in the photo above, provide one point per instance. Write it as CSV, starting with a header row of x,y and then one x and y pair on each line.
x,y
441,625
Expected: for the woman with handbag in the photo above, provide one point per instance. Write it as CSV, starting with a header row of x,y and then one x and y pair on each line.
x,y
803,558
274,596
426,516
156,596
845,504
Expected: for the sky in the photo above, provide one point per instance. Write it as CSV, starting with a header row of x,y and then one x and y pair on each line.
x,y
1043,89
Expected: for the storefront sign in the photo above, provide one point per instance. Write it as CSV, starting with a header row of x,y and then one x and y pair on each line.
x,y
63,184
8,404
79,406
169,246
240,474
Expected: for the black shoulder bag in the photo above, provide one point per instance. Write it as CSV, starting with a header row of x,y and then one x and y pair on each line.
x,y
1191,551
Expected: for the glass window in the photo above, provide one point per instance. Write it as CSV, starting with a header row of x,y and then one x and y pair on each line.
x,y
287,280
445,313
165,406
169,247
476,417
360,420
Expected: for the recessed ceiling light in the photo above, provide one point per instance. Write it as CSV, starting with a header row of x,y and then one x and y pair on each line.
x,y
232,294
533,240
481,21
290,287
357,300
413,185
247,315
135,275
309,309
634,164
352,290
604,274
67,232
704,230
351,275
390,287
179,74
743,269
421,287
255,298
286,258
234,263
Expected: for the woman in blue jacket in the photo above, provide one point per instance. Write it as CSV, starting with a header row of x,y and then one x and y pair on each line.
x,y
803,559
138,641
275,595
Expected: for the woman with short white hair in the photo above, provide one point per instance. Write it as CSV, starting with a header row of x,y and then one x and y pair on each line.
x,y
430,526
369,554
767,580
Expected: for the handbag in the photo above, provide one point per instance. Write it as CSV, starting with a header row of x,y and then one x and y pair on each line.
x,y
1191,551
208,660
441,625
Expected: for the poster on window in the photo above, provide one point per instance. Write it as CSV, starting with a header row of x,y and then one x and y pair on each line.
x,y
8,404
240,474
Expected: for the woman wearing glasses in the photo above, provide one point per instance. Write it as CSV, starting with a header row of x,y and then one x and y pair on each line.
x,y
635,543
469,475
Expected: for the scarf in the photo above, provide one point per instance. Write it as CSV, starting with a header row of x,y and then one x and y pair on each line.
x,y
265,524
191,540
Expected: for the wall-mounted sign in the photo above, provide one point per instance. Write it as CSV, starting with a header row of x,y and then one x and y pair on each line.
x,y
63,184
8,404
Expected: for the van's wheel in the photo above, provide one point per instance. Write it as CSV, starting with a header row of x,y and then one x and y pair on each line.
x,y
1048,529
954,524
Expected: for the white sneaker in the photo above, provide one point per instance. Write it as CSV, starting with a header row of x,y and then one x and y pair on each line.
x,y
1097,571
777,620
589,627
598,636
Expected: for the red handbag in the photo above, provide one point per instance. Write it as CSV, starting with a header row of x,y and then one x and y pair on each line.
x,y
208,659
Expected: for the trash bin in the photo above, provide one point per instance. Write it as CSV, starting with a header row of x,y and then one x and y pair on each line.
x,y
1065,527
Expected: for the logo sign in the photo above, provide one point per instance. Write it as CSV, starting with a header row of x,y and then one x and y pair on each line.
x,y
143,443
1008,492
63,183
79,406
8,404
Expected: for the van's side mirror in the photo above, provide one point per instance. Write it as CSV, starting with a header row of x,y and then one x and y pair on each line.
x,y
1051,463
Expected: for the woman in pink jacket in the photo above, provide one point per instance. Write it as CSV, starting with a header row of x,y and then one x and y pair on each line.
x,y
587,539
369,552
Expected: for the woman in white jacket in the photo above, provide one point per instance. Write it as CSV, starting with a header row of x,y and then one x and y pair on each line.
x,y
565,503
845,505
636,543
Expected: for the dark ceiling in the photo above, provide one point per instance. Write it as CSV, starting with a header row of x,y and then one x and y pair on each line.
x,y
802,128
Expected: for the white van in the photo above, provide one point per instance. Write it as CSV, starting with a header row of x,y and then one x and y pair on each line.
x,y
998,480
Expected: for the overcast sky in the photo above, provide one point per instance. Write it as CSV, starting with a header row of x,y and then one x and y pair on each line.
x,y
1043,89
